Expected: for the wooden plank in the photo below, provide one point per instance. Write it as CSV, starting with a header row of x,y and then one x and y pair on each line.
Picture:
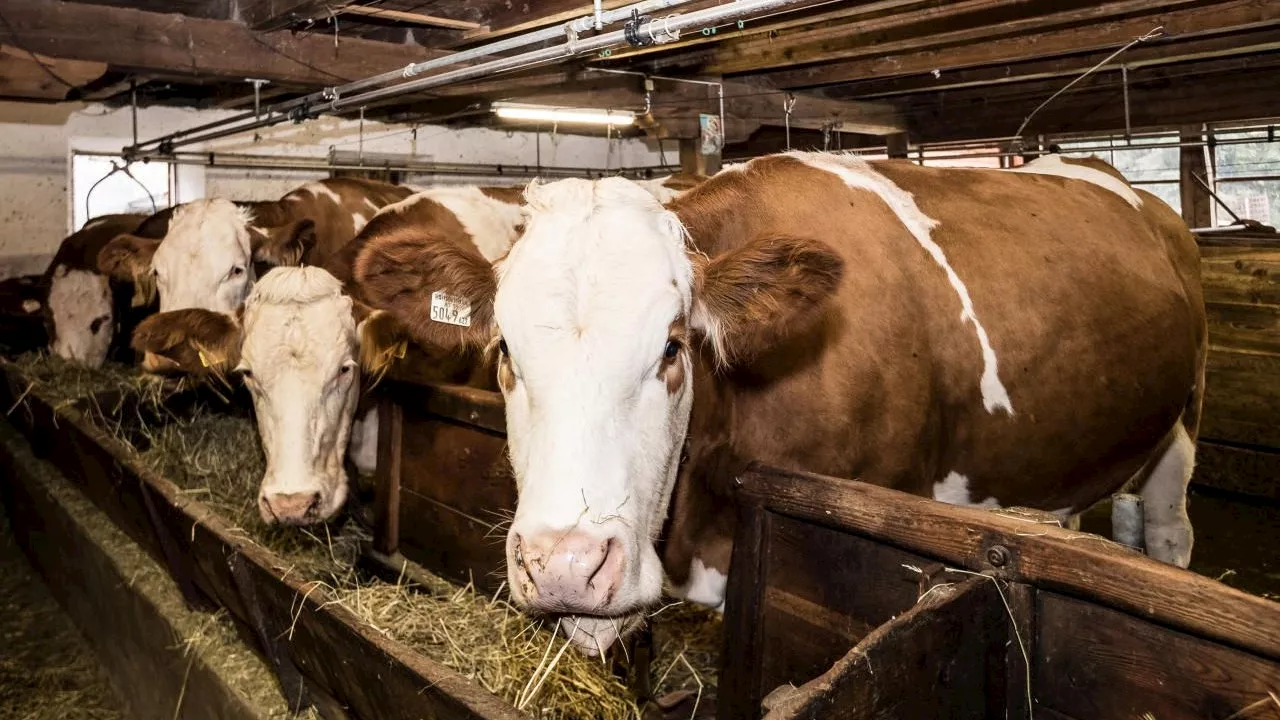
x,y
24,75
1197,204
409,18
913,59
482,409
1095,662
738,691
1242,398
1250,327
1050,557
175,44
944,657
386,514
1233,274
1020,651
1243,470
456,496
812,615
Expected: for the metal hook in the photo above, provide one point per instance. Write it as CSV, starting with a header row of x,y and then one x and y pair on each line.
x,y
788,103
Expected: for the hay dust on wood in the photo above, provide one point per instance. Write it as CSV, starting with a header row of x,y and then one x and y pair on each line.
x,y
217,458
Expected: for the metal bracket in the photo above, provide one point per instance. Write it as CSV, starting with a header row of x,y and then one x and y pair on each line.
x,y
257,94
633,30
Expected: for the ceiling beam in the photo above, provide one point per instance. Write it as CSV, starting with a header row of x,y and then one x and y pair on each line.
x,y
977,50
25,75
1152,54
408,18
179,45
276,14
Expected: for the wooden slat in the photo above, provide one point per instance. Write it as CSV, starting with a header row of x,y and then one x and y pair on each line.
x,y
1243,470
386,523
942,658
483,409
739,692
23,75
179,45
1233,274
1224,17
1249,327
1093,662
1043,555
410,18
1242,398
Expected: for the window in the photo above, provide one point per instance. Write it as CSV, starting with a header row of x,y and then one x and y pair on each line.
x,y
117,192
1247,165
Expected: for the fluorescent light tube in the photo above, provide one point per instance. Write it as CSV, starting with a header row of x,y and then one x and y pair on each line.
x,y
564,115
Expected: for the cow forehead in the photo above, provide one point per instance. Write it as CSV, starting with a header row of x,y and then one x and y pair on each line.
x,y
607,270
215,231
320,333
79,293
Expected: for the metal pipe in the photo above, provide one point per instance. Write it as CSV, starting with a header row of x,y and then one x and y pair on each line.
x,y
570,29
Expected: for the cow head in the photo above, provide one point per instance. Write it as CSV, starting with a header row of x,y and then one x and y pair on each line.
x,y
206,258
80,318
297,347
598,312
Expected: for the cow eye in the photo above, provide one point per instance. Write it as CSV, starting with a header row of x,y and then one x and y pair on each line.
x,y
502,346
245,373
344,370
236,271
672,349
96,326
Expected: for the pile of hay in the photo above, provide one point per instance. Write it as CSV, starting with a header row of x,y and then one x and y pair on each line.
x,y
62,382
218,459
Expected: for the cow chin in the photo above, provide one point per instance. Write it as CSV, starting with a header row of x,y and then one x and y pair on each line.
x,y
593,635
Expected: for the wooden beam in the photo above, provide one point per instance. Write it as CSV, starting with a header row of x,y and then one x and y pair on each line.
x,y
1197,205
1152,54
898,146
276,14
694,162
409,17
175,44
975,49
29,76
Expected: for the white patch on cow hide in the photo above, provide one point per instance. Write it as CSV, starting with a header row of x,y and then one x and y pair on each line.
x,y
358,221
490,223
1053,165
373,206
954,490
320,190
658,188
80,303
856,172
705,586
363,447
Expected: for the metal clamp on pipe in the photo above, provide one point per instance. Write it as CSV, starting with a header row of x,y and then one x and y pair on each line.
x,y
632,30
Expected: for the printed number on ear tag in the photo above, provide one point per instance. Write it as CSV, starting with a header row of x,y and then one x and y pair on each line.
x,y
450,309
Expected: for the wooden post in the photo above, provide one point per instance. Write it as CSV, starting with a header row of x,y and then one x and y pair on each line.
x,y
1197,205
693,162
386,525
898,145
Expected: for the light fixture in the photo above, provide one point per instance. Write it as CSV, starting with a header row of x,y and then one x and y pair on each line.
x,y
547,113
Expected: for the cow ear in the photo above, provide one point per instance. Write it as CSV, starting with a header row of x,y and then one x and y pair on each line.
x,y
127,257
284,244
383,340
438,289
750,298
191,341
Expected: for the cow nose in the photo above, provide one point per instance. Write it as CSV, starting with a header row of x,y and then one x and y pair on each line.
x,y
291,508
568,570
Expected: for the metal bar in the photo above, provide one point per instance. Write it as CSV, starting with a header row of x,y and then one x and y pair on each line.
x,y
1214,195
553,32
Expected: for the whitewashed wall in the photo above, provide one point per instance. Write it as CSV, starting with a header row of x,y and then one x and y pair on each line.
x,y
36,143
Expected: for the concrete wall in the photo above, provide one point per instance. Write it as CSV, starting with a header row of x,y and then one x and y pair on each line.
x,y
37,192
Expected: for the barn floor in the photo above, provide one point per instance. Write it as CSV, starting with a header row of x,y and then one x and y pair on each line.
x,y
1235,539
47,669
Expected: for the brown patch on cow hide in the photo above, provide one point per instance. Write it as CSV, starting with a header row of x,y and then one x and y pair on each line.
x,y
198,342
408,256
127,257
756,295
511,195
285,244
684,181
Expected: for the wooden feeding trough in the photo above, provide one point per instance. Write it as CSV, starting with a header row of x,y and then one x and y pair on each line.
x,y
853,601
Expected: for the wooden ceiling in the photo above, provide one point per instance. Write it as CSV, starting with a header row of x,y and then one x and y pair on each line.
x,y
937,69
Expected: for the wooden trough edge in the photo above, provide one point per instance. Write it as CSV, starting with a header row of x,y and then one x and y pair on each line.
x,y
301,633
1045,555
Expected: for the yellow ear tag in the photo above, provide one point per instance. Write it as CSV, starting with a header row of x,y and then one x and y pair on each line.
x,y
203,360
400,350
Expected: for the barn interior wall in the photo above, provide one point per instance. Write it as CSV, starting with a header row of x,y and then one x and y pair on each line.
x,y
37,141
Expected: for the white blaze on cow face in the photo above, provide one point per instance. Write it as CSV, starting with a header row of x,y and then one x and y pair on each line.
x,y
299,360
83,322
595,374
206,259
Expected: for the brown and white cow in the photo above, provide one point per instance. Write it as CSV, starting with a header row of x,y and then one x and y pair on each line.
x,y
206,260
89,317
987,338
301,342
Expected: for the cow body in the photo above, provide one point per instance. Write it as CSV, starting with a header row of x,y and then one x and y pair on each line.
x,y
987,338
